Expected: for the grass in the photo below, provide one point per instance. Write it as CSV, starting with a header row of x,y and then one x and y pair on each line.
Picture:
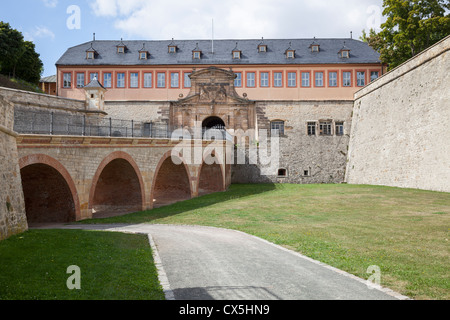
x,y
113,266
403,231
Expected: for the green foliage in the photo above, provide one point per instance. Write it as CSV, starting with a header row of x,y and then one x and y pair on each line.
x,y
17,56
411,26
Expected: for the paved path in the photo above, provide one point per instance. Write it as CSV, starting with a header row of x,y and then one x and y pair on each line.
x,y
202,263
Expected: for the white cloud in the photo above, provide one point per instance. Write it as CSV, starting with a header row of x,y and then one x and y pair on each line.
x,y
50,3
151,19
39,32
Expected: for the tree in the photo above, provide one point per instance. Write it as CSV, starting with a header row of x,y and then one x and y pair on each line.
x,y
18,57
411,26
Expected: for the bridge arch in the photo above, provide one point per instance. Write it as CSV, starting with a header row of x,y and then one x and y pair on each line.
x,y
210,177
171,182
49,191
117,186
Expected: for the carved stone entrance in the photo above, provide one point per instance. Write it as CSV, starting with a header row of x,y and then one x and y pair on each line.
x,y
212,101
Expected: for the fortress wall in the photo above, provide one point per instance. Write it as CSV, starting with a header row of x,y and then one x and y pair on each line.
x,y
12,207
400,133
306,158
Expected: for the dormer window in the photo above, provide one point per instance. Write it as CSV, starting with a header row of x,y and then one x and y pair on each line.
x,y
121,47
315,47
344,52
196,53
262,48
143,53
236,52
172,47
91,53
290,53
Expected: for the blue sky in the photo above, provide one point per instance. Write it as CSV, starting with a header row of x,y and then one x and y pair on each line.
x,y
55,25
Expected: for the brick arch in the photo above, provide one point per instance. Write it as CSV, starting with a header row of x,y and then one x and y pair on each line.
x,y
175,186
208,179
118,167
42,161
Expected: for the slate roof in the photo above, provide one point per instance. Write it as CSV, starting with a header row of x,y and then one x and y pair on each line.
x,y
107,54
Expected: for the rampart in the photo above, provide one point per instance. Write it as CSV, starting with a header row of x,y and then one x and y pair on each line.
x,y
400,134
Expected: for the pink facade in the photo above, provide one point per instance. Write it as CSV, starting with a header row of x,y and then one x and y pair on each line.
x,y
258,82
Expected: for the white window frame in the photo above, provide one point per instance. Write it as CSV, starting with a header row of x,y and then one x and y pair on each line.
x,y
264,79
360,78
318,78
187,80
80,80
306,79
67,80
346,80
278,79
107,79
238,79
134,80
251,79
161,80
292,79
174,79
148,80
332,79
120,80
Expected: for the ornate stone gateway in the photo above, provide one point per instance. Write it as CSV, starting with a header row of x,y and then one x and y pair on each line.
x,y
214,101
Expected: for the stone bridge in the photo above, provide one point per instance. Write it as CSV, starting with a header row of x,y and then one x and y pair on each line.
x,y
70,178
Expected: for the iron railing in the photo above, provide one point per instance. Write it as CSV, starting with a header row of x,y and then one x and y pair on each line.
x,y
58,123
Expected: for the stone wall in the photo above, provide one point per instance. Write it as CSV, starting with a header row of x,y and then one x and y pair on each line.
x,y
12,208
306,158
400,135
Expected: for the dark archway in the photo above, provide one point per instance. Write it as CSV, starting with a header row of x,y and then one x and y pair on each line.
x,y
172,183
117,190
213,123
210,179
48,198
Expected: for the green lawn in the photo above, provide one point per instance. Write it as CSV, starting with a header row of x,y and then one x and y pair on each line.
x,y
351,227
113,266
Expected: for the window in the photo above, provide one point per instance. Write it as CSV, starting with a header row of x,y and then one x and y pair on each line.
x,y
347,79
360,78
236,54
374,75
148,80
143,55
315,48
307,173
134,80
292,79
90,55
161,80
311,128
172,49
264,79
251,79
187,80
93,75
282,173
80,80
339,128
67,80
262,48
290,54
277,128
238,79
325,128
319,79
345,54
305,79
174,80
332,79
196,54
107,83
121,80
120,49
277,79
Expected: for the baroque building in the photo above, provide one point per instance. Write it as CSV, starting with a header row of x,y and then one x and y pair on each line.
x,y
301,90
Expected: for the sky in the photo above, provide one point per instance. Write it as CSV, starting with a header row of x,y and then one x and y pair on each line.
x,y
56,25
